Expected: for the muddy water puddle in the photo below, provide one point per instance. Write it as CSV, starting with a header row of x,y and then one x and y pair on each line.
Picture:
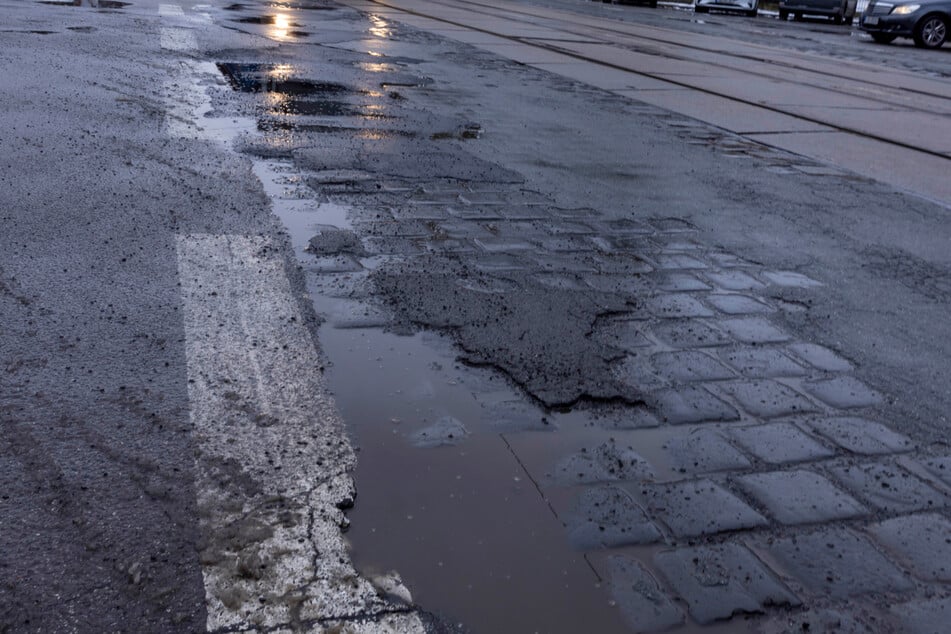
x,y
463,522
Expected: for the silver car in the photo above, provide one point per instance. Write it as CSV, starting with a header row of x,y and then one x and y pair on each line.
x,y
746,7
840,11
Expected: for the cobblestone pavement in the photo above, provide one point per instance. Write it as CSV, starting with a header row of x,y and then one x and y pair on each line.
x,y
731,468
775,485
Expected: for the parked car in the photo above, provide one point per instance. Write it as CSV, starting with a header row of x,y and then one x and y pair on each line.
x,y
746,7
651,3
838,10
925,21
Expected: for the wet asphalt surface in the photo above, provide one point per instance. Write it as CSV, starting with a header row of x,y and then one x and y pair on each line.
x,y
605,368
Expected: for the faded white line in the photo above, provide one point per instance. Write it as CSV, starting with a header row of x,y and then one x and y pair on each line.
x,y
170,10
272,457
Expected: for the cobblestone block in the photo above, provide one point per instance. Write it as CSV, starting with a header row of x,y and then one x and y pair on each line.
x,y
566,227
624,334
627,418
762,363
678,242
790,278
699,507
392,246
820,357
574,263
768,399
534,213
861,436
940,468
638,372
689,365
607,516
577,213
800,497
837,563
492,262
460,230
432,212
567,244
728,260
678,306
450,246
921,542
843,392
502,245
888,487
630,243
691,404
927,616
645,607
720,581
672,225
753,330
779,443
668,261
689,333
681,282
734,280
625,226
565,282
820,621
703,451
472,214
606,463
737,304
625,284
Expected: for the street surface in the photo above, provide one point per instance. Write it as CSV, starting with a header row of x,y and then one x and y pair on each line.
x,y
482,316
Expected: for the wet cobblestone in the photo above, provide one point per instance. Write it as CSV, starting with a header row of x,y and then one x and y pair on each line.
x,y
921,542
837,563
800,497
701,507
720,581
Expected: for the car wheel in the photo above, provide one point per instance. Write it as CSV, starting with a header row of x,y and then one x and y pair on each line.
x,y
931,32
783,15
752,13
837,19
797,17
883,38
700,9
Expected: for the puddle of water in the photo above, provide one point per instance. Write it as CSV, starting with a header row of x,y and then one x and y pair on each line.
x,y
463,524
292,201
96,4
289,95
187,103
268,125
277,78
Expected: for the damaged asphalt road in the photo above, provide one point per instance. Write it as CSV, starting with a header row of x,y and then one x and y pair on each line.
x,y
574,361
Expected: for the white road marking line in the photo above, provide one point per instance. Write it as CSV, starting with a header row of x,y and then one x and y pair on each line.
x,y
272,457
170,9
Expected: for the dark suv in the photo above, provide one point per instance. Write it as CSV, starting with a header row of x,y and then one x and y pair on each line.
x,y
926,21
839,11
